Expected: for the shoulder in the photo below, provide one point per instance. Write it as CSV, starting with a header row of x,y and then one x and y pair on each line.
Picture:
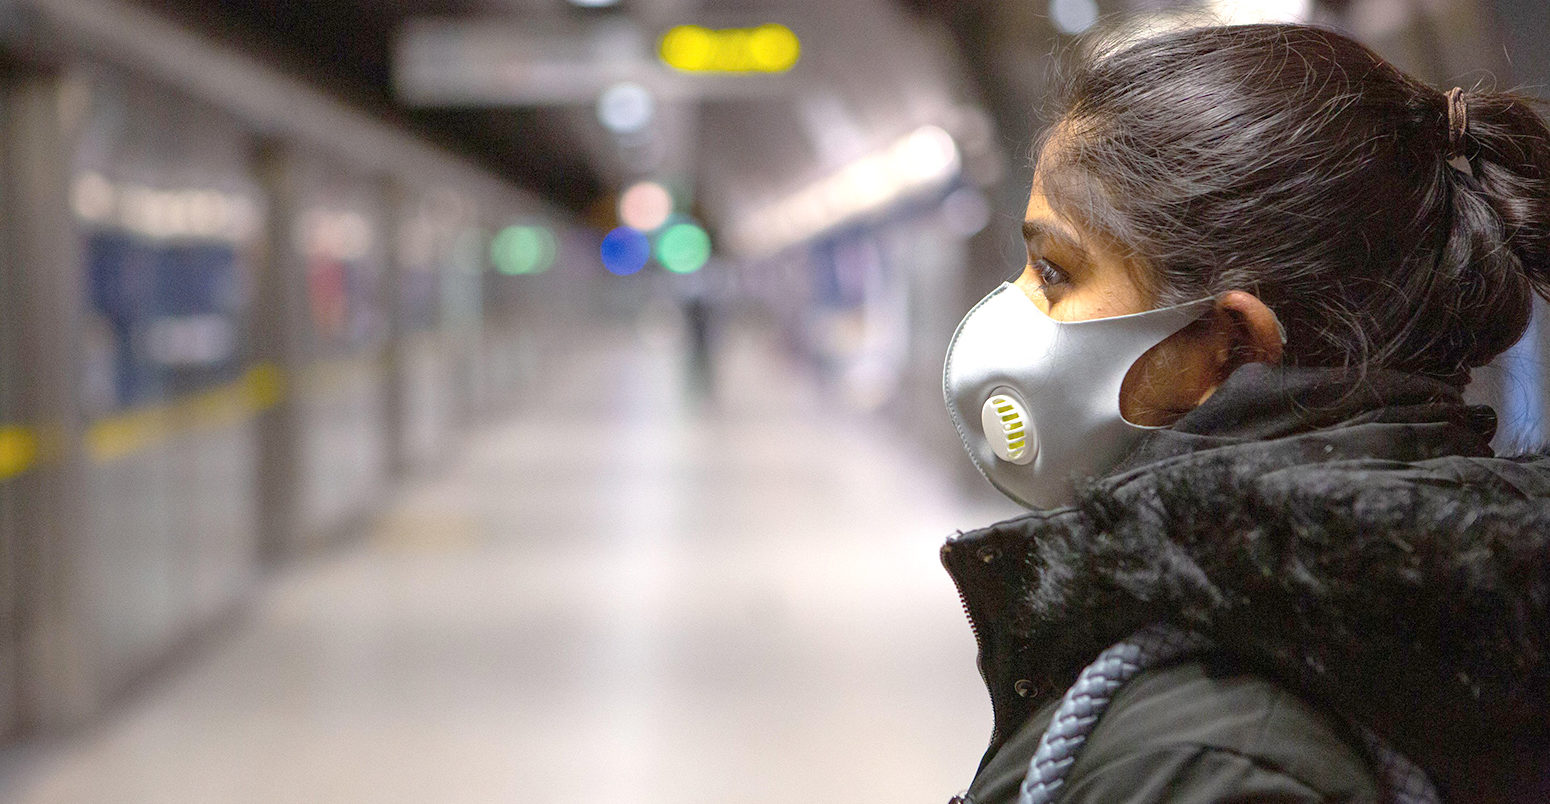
x,y
1207,730
1201,730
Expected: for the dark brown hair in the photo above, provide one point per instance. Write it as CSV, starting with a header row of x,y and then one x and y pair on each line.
x,y
1294,162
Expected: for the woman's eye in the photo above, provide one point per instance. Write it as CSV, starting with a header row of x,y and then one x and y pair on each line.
x,y
1048,273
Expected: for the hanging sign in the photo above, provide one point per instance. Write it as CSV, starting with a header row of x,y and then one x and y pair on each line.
x,y
769,48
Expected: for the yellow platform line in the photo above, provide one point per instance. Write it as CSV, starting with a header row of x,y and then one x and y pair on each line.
x,y
18,451
114,437
122,434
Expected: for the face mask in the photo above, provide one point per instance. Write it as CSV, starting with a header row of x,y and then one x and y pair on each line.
x,y
1036,400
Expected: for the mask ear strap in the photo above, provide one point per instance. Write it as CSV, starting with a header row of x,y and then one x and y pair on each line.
x,y
1206,306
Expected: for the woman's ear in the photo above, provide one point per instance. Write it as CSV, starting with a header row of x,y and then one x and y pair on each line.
x,y
1255,332
1177,375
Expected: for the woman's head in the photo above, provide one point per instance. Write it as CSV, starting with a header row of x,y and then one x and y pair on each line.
x,y
1295,166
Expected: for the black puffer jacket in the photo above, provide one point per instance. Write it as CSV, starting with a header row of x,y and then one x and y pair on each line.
x,y
1359,557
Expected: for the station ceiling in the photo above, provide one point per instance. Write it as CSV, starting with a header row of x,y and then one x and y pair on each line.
x,y
867,58
344,47
871,71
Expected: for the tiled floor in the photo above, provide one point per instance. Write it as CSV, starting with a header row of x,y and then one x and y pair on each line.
x,y
613,596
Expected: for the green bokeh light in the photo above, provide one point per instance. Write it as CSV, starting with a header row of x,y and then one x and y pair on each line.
x,y
683,248
519,250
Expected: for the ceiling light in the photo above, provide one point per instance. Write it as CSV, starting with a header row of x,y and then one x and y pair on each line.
x,y
1251,11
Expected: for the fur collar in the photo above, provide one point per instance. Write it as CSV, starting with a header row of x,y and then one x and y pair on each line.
x,y
1384,564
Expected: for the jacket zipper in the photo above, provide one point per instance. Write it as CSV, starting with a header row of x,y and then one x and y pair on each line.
x,y
979,654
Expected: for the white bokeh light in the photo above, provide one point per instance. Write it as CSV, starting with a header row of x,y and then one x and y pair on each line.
x,y
1073,16
1250,11
625,108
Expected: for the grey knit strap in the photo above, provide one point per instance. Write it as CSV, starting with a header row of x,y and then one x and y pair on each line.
x,y
1087,699
1403,781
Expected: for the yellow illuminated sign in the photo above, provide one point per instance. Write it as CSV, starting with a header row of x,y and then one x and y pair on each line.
x,y
770,48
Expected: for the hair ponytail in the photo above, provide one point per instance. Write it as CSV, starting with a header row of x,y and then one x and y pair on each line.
x,y
1499,241
1508,147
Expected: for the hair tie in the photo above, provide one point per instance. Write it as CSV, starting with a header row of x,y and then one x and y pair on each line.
x,y
1458,122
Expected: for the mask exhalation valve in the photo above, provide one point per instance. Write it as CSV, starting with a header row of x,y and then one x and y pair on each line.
x,y
1006,425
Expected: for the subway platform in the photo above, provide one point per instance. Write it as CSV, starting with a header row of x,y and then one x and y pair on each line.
x,y
617,593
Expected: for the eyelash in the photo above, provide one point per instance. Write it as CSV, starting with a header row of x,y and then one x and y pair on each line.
x,y
1048,273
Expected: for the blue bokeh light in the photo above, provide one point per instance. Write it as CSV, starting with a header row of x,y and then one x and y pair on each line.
x,y
625,251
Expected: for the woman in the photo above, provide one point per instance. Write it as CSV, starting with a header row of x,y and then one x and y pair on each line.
x,y
1261,265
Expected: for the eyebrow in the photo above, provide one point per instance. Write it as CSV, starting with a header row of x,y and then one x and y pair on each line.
x,y
1049,230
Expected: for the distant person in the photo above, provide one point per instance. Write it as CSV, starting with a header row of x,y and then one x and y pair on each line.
x,y
1262,263
697,315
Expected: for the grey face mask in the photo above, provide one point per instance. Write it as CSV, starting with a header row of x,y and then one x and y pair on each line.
x,y
1036,400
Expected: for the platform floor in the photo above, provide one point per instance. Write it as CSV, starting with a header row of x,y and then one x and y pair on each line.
x,y
615,594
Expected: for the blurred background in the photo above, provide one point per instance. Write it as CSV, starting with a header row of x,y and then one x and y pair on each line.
x,y
524,400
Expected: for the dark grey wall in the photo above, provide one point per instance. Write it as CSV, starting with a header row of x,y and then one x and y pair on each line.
x,y
1526,33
